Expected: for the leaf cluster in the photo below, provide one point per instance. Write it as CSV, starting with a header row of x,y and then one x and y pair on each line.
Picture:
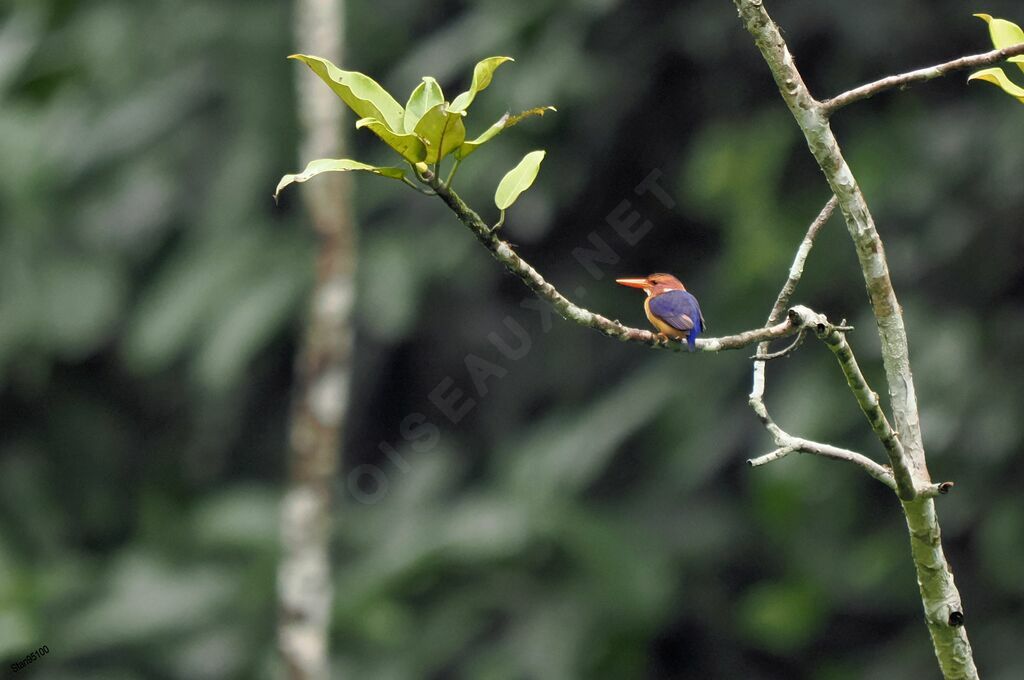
x,y
424,132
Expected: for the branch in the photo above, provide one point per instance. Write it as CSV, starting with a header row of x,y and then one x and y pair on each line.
x,y
797,320
502,251
796,270
867,399
784,352
903,80
789,444
836,341
939,595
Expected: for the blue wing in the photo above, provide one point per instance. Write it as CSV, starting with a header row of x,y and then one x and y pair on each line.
x,y
678,309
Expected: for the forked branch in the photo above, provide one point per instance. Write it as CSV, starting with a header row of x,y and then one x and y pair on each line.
x,y
786,442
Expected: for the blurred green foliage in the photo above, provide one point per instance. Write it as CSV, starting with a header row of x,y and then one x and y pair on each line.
x,y
592,515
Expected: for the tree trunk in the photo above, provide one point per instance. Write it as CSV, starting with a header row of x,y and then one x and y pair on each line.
x,y
322,368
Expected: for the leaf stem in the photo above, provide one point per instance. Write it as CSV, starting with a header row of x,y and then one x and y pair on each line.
x,y
499,224
425,192
451,173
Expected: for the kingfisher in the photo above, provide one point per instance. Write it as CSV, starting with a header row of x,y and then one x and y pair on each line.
x,y
669,307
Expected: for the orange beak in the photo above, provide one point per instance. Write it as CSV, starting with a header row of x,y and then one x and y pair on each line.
x,y
633,283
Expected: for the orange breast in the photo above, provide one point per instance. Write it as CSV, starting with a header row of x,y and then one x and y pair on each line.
x,y
661,325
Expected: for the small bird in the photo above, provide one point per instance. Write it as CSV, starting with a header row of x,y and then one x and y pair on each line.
x,y
669,307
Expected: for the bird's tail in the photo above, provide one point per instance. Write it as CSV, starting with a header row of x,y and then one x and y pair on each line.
x,y
691,340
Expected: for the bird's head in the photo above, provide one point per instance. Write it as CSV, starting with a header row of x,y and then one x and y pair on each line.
x,y
655,284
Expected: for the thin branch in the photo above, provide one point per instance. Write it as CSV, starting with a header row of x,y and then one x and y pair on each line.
x,y
789,444
504,253
786,351
796,270
778,453
903,80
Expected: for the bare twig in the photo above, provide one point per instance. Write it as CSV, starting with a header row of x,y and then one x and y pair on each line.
x,y
778,453
796,270
879,472
787,443
784,352
903,80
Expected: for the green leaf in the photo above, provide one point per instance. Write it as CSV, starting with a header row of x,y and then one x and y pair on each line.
x,y
408,145
1004,34
482,74
335,165
361,92
503,123
518,179
442,131
426,96
997,77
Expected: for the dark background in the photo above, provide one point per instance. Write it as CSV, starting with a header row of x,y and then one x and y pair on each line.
x,y
592,516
